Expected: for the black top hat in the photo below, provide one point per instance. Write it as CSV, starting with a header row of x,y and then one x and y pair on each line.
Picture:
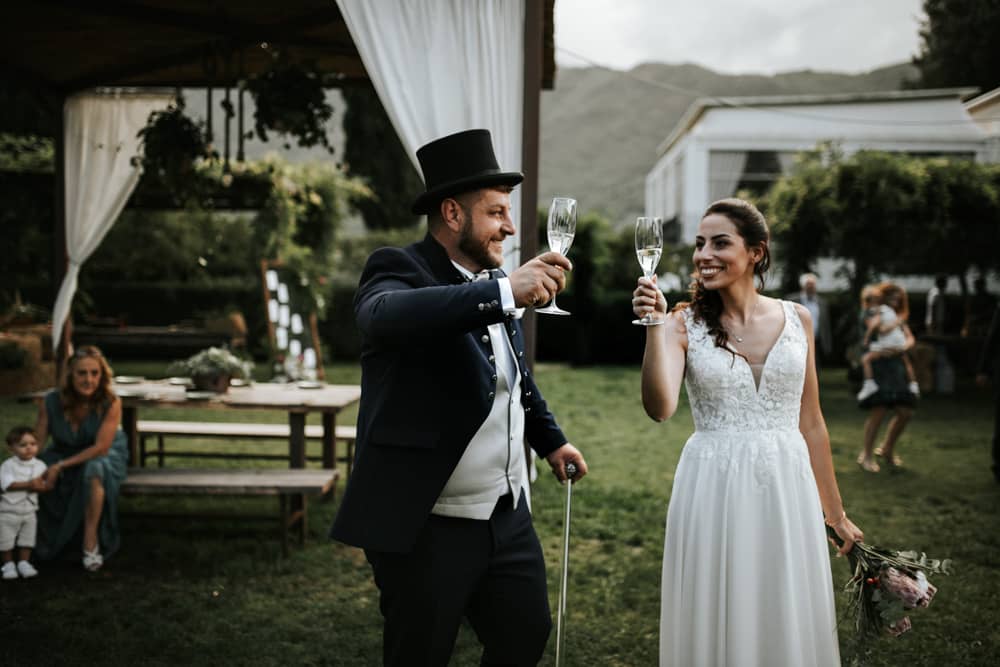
x,y
458,163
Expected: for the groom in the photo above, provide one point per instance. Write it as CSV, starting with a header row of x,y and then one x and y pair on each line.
x,y
438,497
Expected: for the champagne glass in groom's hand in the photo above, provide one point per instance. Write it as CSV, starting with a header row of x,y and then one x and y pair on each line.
x,y
561,229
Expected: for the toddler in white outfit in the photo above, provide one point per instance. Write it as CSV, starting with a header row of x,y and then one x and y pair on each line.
x,y
888,323
891,338
20,480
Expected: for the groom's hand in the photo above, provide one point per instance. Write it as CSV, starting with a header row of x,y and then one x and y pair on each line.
x,y
537,281
567,454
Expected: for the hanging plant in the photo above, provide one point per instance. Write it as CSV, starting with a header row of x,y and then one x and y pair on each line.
x,y
171,144
290,100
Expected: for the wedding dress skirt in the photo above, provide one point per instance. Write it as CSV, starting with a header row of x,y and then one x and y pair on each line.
x,y
746,564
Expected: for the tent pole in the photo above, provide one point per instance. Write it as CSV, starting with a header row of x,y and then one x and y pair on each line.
x,y
534,21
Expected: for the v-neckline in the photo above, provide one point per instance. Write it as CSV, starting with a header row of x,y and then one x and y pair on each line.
x,y
767,357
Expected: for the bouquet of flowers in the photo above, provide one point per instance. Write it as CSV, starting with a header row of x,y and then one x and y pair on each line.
x,y
885,586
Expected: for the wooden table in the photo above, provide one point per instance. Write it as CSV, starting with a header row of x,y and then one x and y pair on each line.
x,y
328,400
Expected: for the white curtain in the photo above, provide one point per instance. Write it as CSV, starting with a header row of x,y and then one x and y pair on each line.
x,y
443,66
100,141
724,171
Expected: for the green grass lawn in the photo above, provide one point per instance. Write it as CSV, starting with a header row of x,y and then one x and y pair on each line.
x,y
218,592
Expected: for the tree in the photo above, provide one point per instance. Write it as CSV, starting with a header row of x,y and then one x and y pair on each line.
x,y
959,45
803,212
888,213
374,153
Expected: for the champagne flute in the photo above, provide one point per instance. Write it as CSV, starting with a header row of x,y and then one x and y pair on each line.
x,y
561,229
648,248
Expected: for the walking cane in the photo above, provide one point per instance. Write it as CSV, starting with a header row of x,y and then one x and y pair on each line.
x,y
561,612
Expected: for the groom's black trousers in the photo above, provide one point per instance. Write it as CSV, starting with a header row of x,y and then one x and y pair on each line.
x,y
491,572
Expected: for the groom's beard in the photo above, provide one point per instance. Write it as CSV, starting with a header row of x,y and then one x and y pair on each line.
x,y
474,248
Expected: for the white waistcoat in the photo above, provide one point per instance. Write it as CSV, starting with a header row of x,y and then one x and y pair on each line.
x,y
494,463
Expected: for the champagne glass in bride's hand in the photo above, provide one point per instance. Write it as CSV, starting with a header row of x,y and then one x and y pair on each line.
x,y
648,248
561,228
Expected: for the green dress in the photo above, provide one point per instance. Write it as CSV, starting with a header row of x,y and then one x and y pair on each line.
x,y
60,511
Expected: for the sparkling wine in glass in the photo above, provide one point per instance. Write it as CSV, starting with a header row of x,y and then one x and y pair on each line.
x,y
648,248
561,229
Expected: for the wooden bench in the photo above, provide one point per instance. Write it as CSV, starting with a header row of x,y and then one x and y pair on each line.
x,y
161,429
290,485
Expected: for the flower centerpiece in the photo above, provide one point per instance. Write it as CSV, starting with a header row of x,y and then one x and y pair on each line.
x,y
212,369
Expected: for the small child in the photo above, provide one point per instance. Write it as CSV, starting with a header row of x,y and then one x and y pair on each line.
x,y
20,480
888,321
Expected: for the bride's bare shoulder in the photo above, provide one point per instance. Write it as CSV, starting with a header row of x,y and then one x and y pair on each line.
x,y
676,321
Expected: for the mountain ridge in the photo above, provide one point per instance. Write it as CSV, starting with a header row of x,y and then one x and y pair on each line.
x,y
616,119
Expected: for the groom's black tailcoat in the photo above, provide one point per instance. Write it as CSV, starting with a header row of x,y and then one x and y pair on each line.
x,y
428,381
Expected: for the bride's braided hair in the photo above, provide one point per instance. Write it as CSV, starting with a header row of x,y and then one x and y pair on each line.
x,y
706,304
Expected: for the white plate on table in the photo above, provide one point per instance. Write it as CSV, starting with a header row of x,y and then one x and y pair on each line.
x,y
309,384
129,393
200,395
129,379
180,382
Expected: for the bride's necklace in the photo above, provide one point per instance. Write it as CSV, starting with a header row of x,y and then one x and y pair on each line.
x,y
746,325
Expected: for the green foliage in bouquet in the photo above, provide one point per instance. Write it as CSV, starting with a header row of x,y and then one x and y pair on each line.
x,y
885,586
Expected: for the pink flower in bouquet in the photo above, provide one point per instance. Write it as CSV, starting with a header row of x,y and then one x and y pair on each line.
x,y
913,590
899,627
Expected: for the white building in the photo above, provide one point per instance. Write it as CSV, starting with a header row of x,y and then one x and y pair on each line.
x,y
723,145
985,111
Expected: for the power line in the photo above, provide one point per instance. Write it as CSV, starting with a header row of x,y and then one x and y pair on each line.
x,y
731,103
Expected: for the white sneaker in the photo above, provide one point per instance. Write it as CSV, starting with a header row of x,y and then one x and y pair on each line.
x,y
8,570
92,560
915,389
867,389
26,570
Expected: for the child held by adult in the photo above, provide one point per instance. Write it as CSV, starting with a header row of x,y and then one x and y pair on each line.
x,y
887,323
20,480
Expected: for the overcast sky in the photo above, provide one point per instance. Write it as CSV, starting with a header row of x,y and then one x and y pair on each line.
x,y
739,36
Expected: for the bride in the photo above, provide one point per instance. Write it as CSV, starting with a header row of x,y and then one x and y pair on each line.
x,y
746,571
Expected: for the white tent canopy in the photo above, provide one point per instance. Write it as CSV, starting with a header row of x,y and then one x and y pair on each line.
x,y
438,66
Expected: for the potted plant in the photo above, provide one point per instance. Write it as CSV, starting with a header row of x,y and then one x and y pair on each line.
x,y
212,369
289,99
171,143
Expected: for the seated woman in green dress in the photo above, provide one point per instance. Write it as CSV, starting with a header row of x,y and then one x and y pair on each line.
x,y
87,459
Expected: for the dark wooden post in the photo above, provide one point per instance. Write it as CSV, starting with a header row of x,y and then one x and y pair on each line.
x,y
534,21
59,256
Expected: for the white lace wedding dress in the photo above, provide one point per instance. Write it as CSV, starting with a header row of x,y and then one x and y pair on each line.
x,y
746,565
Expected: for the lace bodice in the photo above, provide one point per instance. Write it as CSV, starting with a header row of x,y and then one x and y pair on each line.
x,y
721,388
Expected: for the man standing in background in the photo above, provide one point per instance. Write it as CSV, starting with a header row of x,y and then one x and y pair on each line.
x,y
817,307
935,322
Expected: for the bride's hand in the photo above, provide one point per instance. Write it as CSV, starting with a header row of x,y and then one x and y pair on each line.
x,y
647,298
849,533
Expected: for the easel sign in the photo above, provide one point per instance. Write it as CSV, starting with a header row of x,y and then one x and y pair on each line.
x,y
291,324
